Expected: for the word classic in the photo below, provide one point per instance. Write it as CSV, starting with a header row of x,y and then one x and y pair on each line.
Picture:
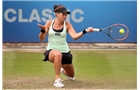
x,y
20,15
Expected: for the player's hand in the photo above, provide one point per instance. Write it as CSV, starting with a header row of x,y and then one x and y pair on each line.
x,y
89,29
41,26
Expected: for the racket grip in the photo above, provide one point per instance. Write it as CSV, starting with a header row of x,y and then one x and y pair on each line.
x,y
96,29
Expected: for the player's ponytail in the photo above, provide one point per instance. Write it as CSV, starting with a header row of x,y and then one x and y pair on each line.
x,y
55,6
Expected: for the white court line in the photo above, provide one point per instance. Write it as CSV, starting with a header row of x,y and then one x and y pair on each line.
x,y
42,50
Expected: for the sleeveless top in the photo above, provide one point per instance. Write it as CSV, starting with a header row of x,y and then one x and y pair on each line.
x,y
57,39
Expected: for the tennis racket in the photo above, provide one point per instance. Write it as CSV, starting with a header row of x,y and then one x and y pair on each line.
x,y
118,32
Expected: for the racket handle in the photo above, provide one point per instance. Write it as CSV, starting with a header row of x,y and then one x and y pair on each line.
x,y
96,29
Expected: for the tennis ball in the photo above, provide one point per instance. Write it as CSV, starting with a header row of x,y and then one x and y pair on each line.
x,y
121,31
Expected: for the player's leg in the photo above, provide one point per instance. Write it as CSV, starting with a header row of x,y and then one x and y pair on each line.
x,y
67,65
68,70
56,58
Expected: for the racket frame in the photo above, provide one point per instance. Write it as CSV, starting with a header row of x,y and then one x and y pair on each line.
x,y
108,28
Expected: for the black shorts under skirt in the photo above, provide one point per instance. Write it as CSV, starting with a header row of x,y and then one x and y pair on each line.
x,y
66,57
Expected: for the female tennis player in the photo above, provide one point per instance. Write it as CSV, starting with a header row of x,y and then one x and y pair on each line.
x,y
58,51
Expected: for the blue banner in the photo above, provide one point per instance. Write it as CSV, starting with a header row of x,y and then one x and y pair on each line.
x,y
20,18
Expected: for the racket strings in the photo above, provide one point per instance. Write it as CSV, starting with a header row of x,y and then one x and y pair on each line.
x,y
115,33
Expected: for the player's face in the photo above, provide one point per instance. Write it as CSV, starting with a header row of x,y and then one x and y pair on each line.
x,y
62,16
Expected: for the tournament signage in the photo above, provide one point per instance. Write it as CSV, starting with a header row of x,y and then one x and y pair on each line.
x,y
20,18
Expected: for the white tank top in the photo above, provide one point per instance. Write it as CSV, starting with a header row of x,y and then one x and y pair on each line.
x,y
57,40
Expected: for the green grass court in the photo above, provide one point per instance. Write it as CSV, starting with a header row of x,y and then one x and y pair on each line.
x,y
94,69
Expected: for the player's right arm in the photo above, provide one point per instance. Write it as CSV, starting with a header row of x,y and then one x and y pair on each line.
x,y
42,36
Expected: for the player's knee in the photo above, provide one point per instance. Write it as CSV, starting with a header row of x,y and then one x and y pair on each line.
x,y
58,55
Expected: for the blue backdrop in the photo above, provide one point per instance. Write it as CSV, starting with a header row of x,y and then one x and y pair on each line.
x,y
20,18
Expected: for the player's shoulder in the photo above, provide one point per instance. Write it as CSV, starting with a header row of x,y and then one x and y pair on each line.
x,y
68,23
49,21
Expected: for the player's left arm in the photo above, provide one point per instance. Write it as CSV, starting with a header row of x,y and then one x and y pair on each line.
x,y
74,34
